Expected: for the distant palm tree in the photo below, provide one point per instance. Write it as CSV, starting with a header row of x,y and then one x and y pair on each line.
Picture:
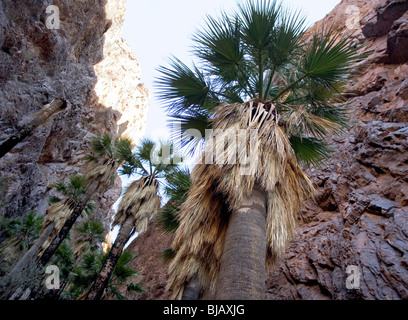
x,y
89,236
140,202
20,234
257,75
109,155
87,271
53,221
37,119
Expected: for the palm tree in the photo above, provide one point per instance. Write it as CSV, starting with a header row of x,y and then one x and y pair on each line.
x,y
109,154
89,236
273,95
88,269
56,214
20,234
139,203
37,119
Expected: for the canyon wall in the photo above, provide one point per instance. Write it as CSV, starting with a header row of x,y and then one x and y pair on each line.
x,y
83,60
360,217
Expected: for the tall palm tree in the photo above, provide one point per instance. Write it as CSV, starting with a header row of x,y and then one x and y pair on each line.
x,y
273,96
46,113
140,202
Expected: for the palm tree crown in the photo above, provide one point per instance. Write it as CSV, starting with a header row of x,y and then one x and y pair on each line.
x,y
256,71
259,52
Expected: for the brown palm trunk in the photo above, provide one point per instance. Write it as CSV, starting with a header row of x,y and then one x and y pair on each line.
x,y
66,228
192,289
98,287
39,118
242,273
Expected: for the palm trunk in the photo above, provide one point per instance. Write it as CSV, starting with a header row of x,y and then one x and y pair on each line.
x,y
98,287
192,289
66,228
242,273
39,118
29,256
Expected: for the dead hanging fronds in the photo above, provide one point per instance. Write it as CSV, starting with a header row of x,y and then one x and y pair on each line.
x,y
57,213
103,173
141,200
247,147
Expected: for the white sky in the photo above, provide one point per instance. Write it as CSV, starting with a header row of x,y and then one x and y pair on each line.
x,y
156,29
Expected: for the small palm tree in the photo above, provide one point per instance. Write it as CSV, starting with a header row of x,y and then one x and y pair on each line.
x,y
256,75
88,238
88,270
140,202
20,233
39,118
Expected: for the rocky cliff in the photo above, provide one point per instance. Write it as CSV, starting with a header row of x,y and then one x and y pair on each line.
x,y
360,217
70,49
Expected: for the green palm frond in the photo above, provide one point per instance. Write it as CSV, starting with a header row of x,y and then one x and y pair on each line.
x,y
75,186
63,258
183,88
123,271
21,232
167,255
123,150
188,129
329,57
219,46
259,19
167,217
310,150
136,287
178,182
116,293
102,145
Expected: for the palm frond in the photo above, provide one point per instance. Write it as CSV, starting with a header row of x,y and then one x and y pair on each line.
x,y
136,287
167,255
188,129
329,57
122,270
182,88
310,150
220,46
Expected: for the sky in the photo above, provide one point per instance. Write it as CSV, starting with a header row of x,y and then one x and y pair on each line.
x,y
157,29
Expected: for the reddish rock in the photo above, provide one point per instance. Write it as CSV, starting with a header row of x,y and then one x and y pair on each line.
x,y
152,270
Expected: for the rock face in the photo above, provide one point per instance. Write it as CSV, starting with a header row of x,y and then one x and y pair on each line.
x,y
84,61
360,218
